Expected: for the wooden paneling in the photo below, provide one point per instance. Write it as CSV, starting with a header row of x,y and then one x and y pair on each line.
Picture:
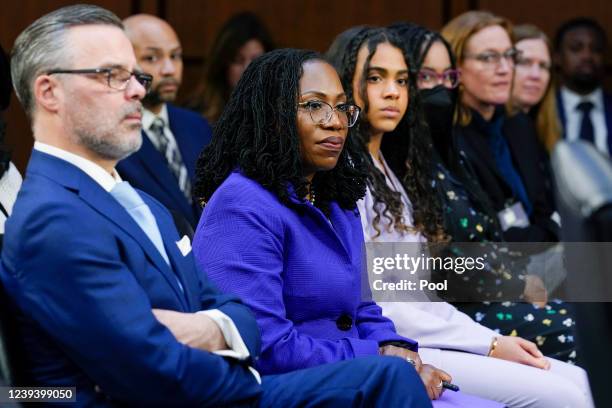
x,y
549,15
296,23
13,20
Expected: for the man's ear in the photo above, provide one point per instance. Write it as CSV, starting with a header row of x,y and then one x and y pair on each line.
x,y
48,93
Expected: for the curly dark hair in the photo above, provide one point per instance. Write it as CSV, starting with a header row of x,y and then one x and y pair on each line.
x,y
213,90
411,150
257,133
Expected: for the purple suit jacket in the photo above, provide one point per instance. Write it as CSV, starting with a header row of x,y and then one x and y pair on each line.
x,y
299,273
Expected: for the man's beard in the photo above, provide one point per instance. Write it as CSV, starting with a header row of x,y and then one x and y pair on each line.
x,y
155,98
586,83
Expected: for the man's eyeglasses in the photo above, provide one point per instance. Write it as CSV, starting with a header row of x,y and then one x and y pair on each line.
x,y
428,78
493,58
117,78
321,112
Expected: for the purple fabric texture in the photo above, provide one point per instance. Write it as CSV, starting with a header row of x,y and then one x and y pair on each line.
x,y
452,399
299,272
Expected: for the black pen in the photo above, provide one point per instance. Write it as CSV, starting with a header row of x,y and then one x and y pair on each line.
x,y
450,386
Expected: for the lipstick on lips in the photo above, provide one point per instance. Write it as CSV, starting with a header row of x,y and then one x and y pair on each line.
x,y
333,143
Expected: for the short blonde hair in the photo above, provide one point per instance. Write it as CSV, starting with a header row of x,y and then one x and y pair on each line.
x,y
457,32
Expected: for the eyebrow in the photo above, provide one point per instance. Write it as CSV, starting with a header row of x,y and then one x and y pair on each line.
x,y
322,95
385,71
110,65
157,49
494,50
427,67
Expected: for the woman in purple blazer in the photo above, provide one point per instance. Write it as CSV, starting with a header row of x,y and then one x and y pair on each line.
x,y
280,228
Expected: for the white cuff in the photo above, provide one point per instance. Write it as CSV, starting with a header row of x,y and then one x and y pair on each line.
x,y
233,339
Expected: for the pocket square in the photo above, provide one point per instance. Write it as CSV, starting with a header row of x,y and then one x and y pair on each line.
x,y
184,245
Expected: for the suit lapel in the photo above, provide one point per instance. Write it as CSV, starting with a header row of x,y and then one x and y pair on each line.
x,y
561,112
95,196
106,205
180,264
185,134
608,114
158,170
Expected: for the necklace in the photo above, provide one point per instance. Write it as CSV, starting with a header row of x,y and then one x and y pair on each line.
x,y
312,195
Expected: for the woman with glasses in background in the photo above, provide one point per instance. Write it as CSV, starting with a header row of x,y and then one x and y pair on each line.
x,y
483,361
533,90
502,150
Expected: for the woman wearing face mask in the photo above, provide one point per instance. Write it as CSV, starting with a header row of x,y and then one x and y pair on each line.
x,y
438,325
503,151
533,89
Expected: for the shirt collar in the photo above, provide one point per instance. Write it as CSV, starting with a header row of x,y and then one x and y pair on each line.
x,y
106,180
571,99
148,117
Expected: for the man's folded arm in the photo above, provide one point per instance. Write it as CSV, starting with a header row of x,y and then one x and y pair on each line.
x,y
81,293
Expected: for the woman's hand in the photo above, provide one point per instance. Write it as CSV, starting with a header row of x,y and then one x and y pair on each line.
x,y
535,291
404,353
432,378
521,351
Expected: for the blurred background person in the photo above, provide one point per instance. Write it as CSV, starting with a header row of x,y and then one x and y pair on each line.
x,y
242,39
503,150
585,109
533,88
10,179
173,137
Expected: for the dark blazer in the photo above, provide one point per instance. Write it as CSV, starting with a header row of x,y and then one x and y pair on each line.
x,y
607,112
83,278
148,171
530,161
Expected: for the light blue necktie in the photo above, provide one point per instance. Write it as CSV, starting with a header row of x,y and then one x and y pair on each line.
x,y
141,213
133,203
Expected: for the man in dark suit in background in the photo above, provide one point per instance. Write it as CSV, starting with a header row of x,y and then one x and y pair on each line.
x,y
585,109
106,297
172,137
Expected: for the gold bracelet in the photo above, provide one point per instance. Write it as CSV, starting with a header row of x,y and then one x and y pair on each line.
x,y
493,346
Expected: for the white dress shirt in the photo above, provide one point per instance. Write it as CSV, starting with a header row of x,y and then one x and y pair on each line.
x,y
9,187
435,325
573,117
107,181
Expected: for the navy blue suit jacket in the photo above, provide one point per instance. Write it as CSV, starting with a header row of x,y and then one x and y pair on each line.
x,y
148,171
607,111
83,278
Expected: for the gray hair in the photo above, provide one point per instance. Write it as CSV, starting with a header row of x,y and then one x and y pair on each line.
x,y
42,46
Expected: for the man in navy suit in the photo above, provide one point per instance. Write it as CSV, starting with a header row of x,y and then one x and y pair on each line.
x,y
585,109
107,298
172,137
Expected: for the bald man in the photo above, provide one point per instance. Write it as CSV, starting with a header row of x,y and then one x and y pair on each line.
x,y
172,137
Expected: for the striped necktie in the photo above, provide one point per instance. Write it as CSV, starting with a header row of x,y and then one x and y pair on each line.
x,y
173,157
